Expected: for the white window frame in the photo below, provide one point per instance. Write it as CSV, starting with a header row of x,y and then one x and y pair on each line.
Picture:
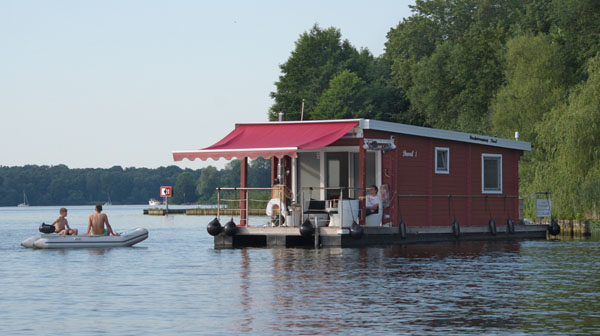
x,y
447,150
495,156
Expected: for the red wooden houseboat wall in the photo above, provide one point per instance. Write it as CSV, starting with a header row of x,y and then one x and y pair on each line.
x,y
421,197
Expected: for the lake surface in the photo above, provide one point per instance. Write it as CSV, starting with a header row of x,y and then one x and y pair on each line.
x,y
176,283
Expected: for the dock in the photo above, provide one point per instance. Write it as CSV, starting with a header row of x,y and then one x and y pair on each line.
x,y
201,212
575,228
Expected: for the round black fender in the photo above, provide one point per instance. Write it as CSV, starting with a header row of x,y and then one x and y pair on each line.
x,y
510,226
553,228
492,226
214,227
230,228
456,228
356,231
307,229
402,230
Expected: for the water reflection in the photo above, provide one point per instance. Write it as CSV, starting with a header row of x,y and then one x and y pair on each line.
x,y
98,251
245,295
454,287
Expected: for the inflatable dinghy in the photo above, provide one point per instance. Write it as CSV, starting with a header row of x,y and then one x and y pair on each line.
x,y
55,241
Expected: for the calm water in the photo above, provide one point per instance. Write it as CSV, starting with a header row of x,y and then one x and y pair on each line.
x,y
176,283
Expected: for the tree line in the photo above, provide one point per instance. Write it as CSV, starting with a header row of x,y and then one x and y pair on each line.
x,y
480,66
61,185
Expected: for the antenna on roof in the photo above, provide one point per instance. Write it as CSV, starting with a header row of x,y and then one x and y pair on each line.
x,y
302,113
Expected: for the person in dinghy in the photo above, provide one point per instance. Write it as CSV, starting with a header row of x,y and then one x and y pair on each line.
x,y
62,225
97,222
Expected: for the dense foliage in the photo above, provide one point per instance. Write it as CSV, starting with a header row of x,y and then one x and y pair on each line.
x,y
59,185
487,66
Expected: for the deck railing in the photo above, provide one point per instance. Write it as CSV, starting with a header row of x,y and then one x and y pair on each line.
x,y
253,206
256,204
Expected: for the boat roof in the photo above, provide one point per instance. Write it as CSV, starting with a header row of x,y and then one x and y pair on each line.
x,y
392,127
285,138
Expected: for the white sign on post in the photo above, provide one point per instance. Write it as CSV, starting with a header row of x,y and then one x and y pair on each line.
x,y
166,191
543,207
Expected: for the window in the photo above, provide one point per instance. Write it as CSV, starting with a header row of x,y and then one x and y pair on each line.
x,y
442,160
491,174
309,173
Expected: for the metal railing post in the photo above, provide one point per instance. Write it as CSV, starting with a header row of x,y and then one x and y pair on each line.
x,y
247,206
219,204
341,210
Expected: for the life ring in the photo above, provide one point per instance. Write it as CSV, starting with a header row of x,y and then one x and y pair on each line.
x,y
275,202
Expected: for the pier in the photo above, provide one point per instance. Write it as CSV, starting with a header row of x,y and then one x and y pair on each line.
x,y
202,212
575,228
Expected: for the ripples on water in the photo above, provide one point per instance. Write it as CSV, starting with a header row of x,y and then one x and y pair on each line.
x,y
176,283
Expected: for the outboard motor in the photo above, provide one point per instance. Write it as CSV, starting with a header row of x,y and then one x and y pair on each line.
x,y
214,227
47,228
356,231
230,228
553,227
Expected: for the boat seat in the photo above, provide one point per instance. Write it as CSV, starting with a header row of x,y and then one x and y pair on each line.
x,y
375,219
315,211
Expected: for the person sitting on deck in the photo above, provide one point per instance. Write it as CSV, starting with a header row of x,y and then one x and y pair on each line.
x,y
62,225
96,223
372,203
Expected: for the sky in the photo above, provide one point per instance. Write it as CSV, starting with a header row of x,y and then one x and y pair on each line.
x,y
96,84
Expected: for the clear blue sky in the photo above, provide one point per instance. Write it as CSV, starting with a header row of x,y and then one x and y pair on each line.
x,y
104,83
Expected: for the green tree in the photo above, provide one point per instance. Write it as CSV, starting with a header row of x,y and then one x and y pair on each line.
x,y
207,184
570,136
345,98
535,84
185,189
575,26
319,55
259,173
447,58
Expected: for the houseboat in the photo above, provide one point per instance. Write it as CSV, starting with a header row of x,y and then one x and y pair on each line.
x,y
366,182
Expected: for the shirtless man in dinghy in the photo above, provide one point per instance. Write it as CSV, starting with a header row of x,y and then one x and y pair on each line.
x,y
96,223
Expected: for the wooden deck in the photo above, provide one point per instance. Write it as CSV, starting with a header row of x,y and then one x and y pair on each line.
x,y
372,236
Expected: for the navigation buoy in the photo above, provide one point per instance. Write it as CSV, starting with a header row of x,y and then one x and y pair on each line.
x,y
456,228
553,228
402,230
306,229
510,225
214,227
492,225
230,228
356,231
